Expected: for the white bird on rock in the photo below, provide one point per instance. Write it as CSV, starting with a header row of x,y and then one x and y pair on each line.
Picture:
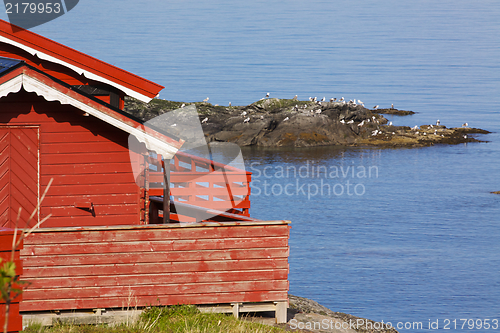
x,y
206,99
286,119
246,120
465,125
267,95
295,98
244,113
204,120
438,122
375,107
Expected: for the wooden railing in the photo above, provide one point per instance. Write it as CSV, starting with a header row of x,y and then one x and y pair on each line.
x,y
201,182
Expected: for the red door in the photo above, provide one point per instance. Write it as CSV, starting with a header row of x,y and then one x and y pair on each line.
x,y
19,185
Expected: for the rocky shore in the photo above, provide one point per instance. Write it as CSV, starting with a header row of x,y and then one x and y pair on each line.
x,y
273,122
304,313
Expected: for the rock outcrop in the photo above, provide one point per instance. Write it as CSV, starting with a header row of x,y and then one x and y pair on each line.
x,y
273,122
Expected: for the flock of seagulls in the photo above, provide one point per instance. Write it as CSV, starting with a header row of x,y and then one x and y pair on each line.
x,y
342,121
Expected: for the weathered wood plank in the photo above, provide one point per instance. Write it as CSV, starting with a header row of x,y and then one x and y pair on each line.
x,y
111,157
88,189
97,199
82,147
106,178
106,220
130,301
154,290
152,257
139,279
15,320
85,169
99,210
157,245
164,233
152,268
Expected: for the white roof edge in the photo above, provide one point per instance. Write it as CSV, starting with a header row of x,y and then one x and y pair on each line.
x,y
50,94
88,74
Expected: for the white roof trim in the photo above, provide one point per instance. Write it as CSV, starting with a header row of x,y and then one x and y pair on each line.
x,y
50,94
88,74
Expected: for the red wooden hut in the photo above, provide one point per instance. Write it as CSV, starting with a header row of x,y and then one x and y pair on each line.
x,y
106,244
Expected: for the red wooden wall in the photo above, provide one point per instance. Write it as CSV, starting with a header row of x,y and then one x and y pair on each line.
x,y
88,159
15,319
200,263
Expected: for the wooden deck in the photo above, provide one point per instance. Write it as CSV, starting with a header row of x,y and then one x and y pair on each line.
x,y
136,266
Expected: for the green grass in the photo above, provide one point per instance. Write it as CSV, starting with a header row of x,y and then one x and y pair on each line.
x,y
175,319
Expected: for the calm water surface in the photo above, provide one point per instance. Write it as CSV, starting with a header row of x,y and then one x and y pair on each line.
x,y
420,239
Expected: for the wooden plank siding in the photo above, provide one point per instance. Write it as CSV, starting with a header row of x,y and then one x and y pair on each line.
x,y
15,319
88,159
128,266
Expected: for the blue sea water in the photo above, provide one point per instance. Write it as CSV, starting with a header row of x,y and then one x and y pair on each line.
x,y
415,240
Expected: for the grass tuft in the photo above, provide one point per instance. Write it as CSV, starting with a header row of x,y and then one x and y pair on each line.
x,y
169,319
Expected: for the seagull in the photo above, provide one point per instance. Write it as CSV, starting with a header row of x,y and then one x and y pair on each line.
x,y
350,121
342,121
465,125
335,99
286,119
261,117
295,98
465,136
206,99
392,106
375,132
246,120
229,103
323,99
311,99
331,100
375,107
173,125
183,105
390,123
204,120
267,95
318,111
244,113
415,128
438,122
359,102
361,123
373,117
315,99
